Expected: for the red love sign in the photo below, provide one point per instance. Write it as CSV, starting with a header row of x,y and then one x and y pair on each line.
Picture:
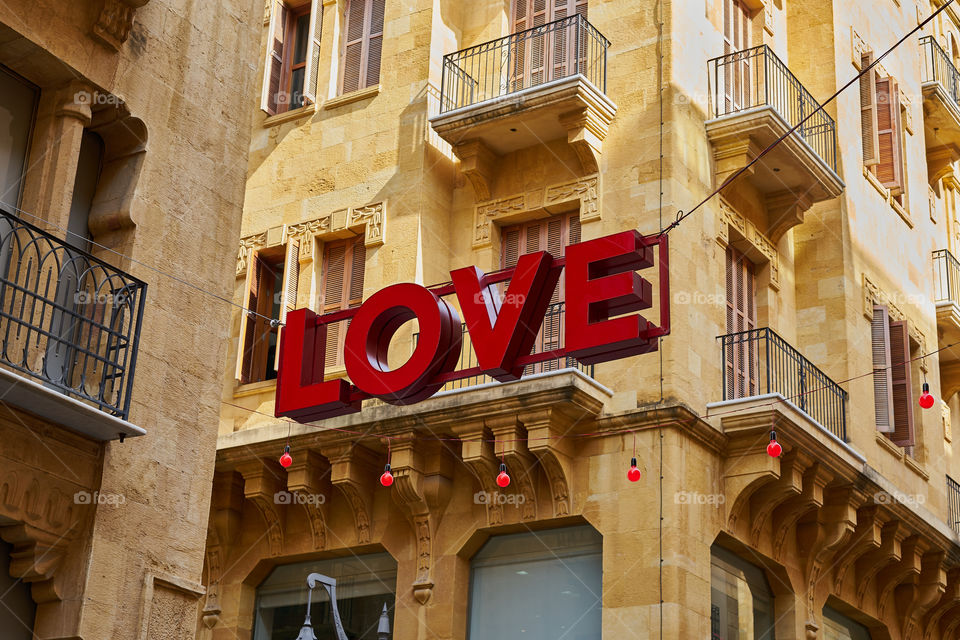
x,y
603,292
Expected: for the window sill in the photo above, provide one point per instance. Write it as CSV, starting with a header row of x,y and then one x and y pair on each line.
x,y
353,96
287,116
886,443
254,388
876,184
901,211
916,467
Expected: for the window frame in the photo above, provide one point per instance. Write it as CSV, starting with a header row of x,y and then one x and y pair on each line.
x,y
366,37
290,14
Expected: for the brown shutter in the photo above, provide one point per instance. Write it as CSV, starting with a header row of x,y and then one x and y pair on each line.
x,y
351,60
334,255
890,167
291,284
868,113
272,69
358,261
902,390
312,72
250,324
245,322
882,380
374,43
510,247
742,355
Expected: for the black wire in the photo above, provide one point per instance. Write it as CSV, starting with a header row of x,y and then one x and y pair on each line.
x,y
681,216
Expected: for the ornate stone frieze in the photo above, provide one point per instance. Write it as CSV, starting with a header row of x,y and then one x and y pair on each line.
x,y
374,217
249,242
730,218
873,295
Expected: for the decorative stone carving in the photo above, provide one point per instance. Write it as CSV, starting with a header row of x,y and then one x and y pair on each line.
x,y
478,164
306,477
873,295
858,49
585,191
261,483
477,453
729,217
305,232
374,217
114,21
351,468
509,436
249,242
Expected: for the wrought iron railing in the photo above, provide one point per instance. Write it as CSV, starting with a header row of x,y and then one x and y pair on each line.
x,y
946,277
67,319
758,78
550,338
560,49
953,503
937,67
759,362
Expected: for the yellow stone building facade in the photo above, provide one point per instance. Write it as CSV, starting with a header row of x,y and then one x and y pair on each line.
x,y
814,296
123,150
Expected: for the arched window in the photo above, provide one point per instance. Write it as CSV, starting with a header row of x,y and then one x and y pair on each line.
x,y
364,585
741,603
17,609
540,585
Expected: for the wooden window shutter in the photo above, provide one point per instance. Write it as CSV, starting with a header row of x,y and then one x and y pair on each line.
x,y
868,113
312,73
742,356
510,247
358,261
291,283
334,256
890,166
248,321
351,59
374,43
902,390
273,65
882,375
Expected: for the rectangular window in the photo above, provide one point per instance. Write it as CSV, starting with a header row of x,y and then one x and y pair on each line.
x,y
741,602
293,56
552,235
892,386
736,73
837,626
270,291
341,286
742,356
18,100
881,129
362,44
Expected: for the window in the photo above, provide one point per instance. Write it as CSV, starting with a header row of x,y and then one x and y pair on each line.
x,y
742,356
293,56
17,609
362,44
89,165
892,387
551,55
364,585
882,130
736,37
341,288
537,586
741,603
552,235
270,291
837,626
18,100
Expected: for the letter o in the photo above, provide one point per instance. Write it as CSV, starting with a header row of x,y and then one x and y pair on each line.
x,y
368,340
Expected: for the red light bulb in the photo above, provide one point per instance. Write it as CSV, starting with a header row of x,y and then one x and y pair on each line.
x,y
503,479
926,400
386,478
774,449
286,459
633,474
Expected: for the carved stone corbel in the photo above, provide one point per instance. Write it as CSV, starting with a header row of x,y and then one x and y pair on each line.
x,y
587,127
352,469
34,559
422,473
871,563
949,603
114,21
785,210
306,477
478,164
261,484
764,501
226,513
914,599
787,515
865,538
476,451
510,446
907,568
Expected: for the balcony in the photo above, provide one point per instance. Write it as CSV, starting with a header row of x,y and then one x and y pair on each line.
x,y
70,326
953,504
946,297
940,82
755,100
759,362
538,85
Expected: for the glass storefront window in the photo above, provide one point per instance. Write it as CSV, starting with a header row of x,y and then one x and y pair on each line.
x,y
741,603
17,609
364,584
540,585
837,626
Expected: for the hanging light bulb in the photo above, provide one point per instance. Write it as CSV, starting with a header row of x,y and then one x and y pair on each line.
x,y
774,449
926,400
386,478
503,479
633,474
286,459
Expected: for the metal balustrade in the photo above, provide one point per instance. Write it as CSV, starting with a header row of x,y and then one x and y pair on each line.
x,y
759,361
67,319
937,67
946,277
953,503
758,78
567,47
